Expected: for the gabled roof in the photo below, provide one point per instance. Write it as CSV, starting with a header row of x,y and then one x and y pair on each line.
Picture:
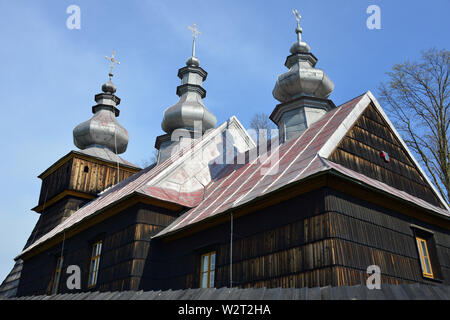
x,y
368,98
146,182
210,190
295,160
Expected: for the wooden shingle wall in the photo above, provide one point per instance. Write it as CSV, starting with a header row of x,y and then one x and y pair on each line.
x,y
321,238
364,234
360,150
126,244
72,175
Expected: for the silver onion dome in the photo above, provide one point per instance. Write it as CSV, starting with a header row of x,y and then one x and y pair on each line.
x,y
190,109
103,129
193,61
302,79
109,87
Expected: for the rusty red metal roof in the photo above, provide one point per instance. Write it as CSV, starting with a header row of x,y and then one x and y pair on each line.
x,y
115,194
240,183
296,160
237,184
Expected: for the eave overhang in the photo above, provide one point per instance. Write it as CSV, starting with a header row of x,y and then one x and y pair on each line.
x,y
99,216
327,178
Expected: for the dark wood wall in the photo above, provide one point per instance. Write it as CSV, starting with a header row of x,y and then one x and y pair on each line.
x,y
71,175
322,238
366,234
286,245
126,243
54,215
360,151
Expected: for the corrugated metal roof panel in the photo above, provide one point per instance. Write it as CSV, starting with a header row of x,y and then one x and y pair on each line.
x,y
359,292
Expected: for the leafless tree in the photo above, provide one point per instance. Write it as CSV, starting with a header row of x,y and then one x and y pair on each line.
x,y
151,161
261,121
417,99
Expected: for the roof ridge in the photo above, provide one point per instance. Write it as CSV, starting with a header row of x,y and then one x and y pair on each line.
x,y
124,188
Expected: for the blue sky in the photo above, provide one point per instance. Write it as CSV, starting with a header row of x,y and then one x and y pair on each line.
x,y
50,74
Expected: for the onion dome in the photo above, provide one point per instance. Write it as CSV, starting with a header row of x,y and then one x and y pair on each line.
x,y
103,129
190,110
109,87
302,79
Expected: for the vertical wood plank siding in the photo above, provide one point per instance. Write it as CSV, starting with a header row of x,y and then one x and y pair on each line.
x,y
320,238
126,244
71,176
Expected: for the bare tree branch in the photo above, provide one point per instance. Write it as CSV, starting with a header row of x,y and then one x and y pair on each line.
x,y
417,97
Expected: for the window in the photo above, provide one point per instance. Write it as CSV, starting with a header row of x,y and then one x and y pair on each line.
x,y
425,260
207,270
57,275
427,253
95,262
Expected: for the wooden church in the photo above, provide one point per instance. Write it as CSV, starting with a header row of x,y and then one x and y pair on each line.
x,y
335,192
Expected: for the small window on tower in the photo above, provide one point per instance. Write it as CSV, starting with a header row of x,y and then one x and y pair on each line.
x,y
86,169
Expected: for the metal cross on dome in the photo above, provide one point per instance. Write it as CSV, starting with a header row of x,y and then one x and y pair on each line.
x,y
299,29
195,33
297,15
113,60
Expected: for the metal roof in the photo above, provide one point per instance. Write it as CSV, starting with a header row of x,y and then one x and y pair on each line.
x,y
135,184
103,153
359,292
9,286
237,184
240,183
295,160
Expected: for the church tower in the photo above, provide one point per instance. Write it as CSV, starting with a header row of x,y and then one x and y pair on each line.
x,y
81,174
302,91
188,119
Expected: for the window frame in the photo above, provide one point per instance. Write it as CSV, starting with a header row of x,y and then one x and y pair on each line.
x,y
208,270
57,275
96,253
423,243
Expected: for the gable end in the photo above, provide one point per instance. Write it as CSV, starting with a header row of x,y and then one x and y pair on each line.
x,y
361,150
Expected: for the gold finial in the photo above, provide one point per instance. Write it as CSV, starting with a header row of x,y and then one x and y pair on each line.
x,y
113,60
195,33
